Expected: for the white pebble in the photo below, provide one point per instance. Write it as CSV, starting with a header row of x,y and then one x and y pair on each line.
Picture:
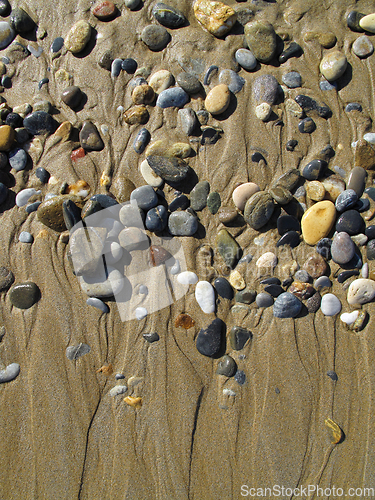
x,y
228,392
361,291
365,271
349,318
140,313
149,175
268,259
370,137
23,196
263,111
330,305
205,296
187,278
118,389
98,304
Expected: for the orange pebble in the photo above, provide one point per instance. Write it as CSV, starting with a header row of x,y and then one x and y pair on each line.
x,y
77,153
134,402
184,320
107,370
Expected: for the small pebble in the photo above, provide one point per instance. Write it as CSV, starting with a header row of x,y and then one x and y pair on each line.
x,y
5,8
98,304
151,337
173,97
302,276
140,313
363,47
6,278
286,223
212,70
333,375
330,305
182,224
322,282
226,366
184,320
155,37
25,237
3,193
104,10
263,111
352,20
216,17
75,352
230,78
39,123
361,291
238,337
261,39
318,221
78,37
205,296
142,139
187,278
291,238
198,196
346,199
350,222
333,65
132,4
161,80
172,170
292,79
20,21
258,209
168,16
246,59
287,305
315,265
24,195
129,65
343,248
24,295
223,288
240,377
357,179
367,23
189,83
266,89
293,50
218,99
213,202
313,303
9,373
325,85
306,126
264,299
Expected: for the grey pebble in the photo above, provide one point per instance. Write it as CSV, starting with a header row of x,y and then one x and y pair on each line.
x,y
326,85
98,304
155,37
287,305
363,47
26,237
322,282
266,89
142,139
119,376
189,83
246,59
353,106
198,196
346,199
333,375
18,159
33,207
6,278
292,79
9,373
240,377
132,4
151,337
145,197
264,299
182,224
234,81
226,366
76,351
302,276
173,97
116,67
212,70
188,120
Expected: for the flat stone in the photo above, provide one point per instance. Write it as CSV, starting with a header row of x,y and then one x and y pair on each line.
x,y
264,299
129,65
155,37
180,202
104,10
291,238
261,39
289,180
333,65
274,290
370,232
350,222
246,59
244,192
209,339
24,295
39,123
85,249
216,17
224,288
266,89
7,136
233,80
363,47
292,79
316,266
20,21
182,224
6,278
78,37
7,34
18,159
228,248
342,249
313,303
330,305
227,215
346,199
318,221
145,197
24,195
367,23
357,180
205,296
102,284
236,280
292,50
198,196
184,320
364,155
72,96
287,305
218,99
301,290
188,120
258,209
157,218
281,195
322,282
352,20
89,137
161,80
173,97
189,83
361,291
213,202
172,170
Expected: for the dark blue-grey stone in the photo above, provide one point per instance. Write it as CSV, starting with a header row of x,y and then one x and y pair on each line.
x,y
362,205
224,288
292,79
157,218
291,238
332,375
306,126
326,85
6,82
286,223
155,37
116,67
226,366
264,299
211,71
210,135
370,232
344,275
71,213
266,89
14,120
168,16
172,170
309,104
141,141
42,174
3,192
151,337
18,159
104,200
352,20
322,282
234,81
5,8
246,59
271,281
198,196
240,377
174,97
323,247
293,50
182,224
346,199
20,21
203,116
42,82
3,160
119,376
370,250
89,137
189,83
57,44
33,207
209,340
180,202
129,65
353,106
370,191
350,222
246,296
238,337
22,135
314,169
274,290
145,197
287,305
39,123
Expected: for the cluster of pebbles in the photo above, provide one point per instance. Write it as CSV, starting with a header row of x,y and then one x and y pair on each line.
x,y
316,208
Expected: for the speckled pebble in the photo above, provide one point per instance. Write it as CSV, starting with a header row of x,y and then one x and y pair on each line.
x,y
266,89
173,97
346,199
26,237
363,47
182,224
18,159
292,79
333,65
246,59
198,195
78,37
342,249
24,295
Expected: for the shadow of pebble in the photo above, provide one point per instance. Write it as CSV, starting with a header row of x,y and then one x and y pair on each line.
x,y
231,109
346,78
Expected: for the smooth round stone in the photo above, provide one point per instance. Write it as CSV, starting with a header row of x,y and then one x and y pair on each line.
x,y
142,139
78,37
131,216
318,221
362,205
140,313
306,126
286,223
22,135
302,276
218,99
349,318
3,193
291,238
132,238
9,373
145,197
168,16
357,179
236,280
315,190
25,237
342,249
20,21
217,17
292,79
5,8
352,20
325,85
149,175
182,224
243,192
263,111
205,296
361,291
287,305
7,34
13,120
365,270
363,47
198,196
369,137
187,278
226,366
181,201
261,39
57,45
370,250
132,4
143,94
274,290
213,202
39,123
104,200
370,232
322,282
6,278
245,59
72,96
89,137
102,284
172,170
189,83
129,65
209,340
112,252
224,288
104,10
258,209
281,195
346,199
189,121
268,259
333,65
24,195
330,305
157,218
230,78
18,159
161,80
367,23
266,89
7,136
98,304
227,247
24,295
240,377
264,299
155,37
350,222
174,97
289,180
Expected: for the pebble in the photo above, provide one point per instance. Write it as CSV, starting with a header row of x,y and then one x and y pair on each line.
x,y
266,89
287,305
346,199
212,70
142,139
316,266
291,238
230,78
364,155
349,318
7,136
173,97
182,224
301,290
243,192
263,111
370,250
227,215
76,351
205,296
157,218
367,23
293,50
24,295
216,17
188,120
330,305
353,106
9,373
302,276
236,280
131,216
209,340
325,85
20,21
50,212
292,79
184,320
240,377
274,290
18,159
261,39
98,304
238,337
172,170
161,80
33,207
57,45
14,120
281,195
132,238
213,202
286,223
245,59
78,37
226,366
227,247
345,275
103,283
25,237
360,322
318,221
352,20
223,288
3,193
104,200
350,222
198,195
112,251
363,47
365,271
333,375
5,8
322,282
343,248
143,94
140,313
333,65
189,83
132,4
313,303
181,201
361,291
136,115
89,137
129,65
306,126
22,135
357,179
7,34
24,195
218,99
258,209
39,123
104,10
369,137
118,389
268,259
187,278
72,96
264,299
315,190
6,278
155,37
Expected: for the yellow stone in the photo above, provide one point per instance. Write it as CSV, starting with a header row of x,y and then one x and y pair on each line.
x,y
236,280
217,100
134,402
179,150
78,36
64,131
7,136
315,190
216,17
336,434
318,221
62,76
367,23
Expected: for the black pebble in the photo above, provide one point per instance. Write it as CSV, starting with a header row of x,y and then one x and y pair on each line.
x,y
277,390
240,377
151,337
209,339
287,223
370,248
71,213
344,275
352,20
5,8
256,157
14,120
106,60
181,201
290,238
21,21
370,232
271,281
129,65
353,106
72,96
306,126
6,82
294,50
287,282
323,247
224,288
57,44
314,169
291,145
350,222
42,174
104,200
333,375
238,337
210,136
274,290
3,160
362,205
39,122
42,82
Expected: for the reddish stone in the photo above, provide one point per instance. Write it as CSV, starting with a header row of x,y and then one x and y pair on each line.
x,y
104,10
301,290
184,320
77,153
159,255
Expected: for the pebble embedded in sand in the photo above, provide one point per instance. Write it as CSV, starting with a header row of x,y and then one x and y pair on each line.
x,y
187,278
155,37
205,296
78,37
216,17
133,402
367,23
268,259
261,40
161,80
258,209
227,247
333,65
217,100
361,291
24,295
9,373
263,111
6,278
363,47
149,175
318,221
98,304
209,339
287,305
330,305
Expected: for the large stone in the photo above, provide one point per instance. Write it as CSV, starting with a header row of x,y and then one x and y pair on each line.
x,y
50,212
258,209
318,221
333,65
216,17
261,40
361,291
78,37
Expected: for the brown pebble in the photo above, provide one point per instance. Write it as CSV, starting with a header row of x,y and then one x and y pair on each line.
x,y
143,94
301,290
227,215
136,115
63,132
80,185
159,255
122,188
313,303
360,322
184,320
7,136
104,10
134,402
106,370
316,266
364,155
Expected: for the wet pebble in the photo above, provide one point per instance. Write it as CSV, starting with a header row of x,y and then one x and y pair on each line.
x,y
189,83
187,278
157,218
291,238
332,375
18,159
367,23
143,94
172,170
145,197
370,250
25,237
361,291
330,305
322,282
223,288
182,224
227,247
258,209
261,39
102,284
7,34
180,202
266,89
287,305
217,17
286,223
264,299
238,337
72,96
363,47
346,199
155,37
132,4
198,196
142,139
209,339
6,278
306,126
352,20
213,202
5,8
218,99
318,221
78,37
20,21
246,296
226,366
350,222
246,59
39,123
129,65
151,337
240,377
98,304
313,303
364,155
343,248
293,50
24,295
212,70
33,207
333,65
89,137
357,179
104,10
233,80
173,97
7,136
24,195
161,80
292,79
9,373
243,192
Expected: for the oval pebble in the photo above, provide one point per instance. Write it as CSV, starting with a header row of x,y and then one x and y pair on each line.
x,y
173,97
187,278
333,65
117,390
161,80
168,16
24,195
292,79
188,120
361,291
245,59
266,89
76,351
230,78
264,299
182,224
142,139
25,237
78,37
7,34
243,192
6,278
155,37
223,288
216,17
330,305
157,218
189,83
318,221
209,339
149,175
18,159
9,373
145,197
98,304
367,23
346,199
342,249
205,296
24,295
39,123
287,305
140,313
350,222
218,99
363,47
268,259
322,282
